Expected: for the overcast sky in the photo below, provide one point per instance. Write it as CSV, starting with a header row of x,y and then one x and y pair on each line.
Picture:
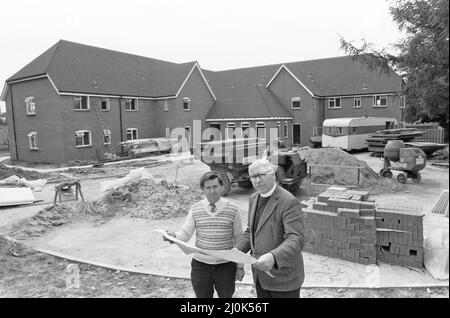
x,y
219,35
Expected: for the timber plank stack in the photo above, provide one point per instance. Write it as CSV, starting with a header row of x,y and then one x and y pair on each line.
x,y
378,140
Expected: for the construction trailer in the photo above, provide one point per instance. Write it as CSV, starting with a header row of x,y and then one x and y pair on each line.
x,y
351,133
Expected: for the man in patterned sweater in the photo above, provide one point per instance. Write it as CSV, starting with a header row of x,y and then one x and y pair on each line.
x,y
218,226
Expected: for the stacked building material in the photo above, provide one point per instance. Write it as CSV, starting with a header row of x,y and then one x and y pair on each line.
x,y
399,235
441,205
341,224
346,224
378,140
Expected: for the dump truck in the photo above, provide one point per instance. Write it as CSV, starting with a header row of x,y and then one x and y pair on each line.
x,y
232,157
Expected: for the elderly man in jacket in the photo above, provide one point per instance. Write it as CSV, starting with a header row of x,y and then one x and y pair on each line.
x,y
274,235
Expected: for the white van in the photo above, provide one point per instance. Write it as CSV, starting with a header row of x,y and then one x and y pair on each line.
x,y
351,133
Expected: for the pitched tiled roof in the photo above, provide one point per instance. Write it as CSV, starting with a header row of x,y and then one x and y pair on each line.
x,y
79,68
242,92
343,76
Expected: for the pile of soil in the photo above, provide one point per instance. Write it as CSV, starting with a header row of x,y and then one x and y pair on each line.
x,y
141,199
146,199
13,248
6,172
51,217
346,176
441,155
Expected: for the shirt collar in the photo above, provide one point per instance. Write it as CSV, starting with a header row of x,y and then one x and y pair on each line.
x,y
220,204
269,193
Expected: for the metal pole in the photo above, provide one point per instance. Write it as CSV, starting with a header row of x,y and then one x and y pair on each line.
x,y
310,181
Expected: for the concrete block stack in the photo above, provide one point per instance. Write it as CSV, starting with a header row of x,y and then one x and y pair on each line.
x,y
399,235
341,224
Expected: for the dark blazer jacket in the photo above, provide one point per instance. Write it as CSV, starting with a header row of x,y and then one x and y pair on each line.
x,y
280,231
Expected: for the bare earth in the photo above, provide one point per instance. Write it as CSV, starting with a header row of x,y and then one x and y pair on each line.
x,y
129,242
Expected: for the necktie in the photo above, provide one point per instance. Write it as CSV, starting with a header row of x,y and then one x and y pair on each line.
x,y
212,207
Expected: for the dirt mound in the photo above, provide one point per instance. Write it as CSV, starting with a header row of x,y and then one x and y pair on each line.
x,y
441,154
346,176
51,217
13,248
6,172
145,199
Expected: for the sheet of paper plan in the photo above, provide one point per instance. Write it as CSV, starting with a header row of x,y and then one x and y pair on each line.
x,y
233,255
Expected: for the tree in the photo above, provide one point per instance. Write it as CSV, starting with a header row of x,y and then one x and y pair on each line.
x,y
422,61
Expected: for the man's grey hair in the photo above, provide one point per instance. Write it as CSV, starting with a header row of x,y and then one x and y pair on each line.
x,y
263,165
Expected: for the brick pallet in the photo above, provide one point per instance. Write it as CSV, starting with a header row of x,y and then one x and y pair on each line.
x,y
399,235
341,224
346,224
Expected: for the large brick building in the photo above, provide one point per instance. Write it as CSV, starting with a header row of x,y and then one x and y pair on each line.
x,y
54,103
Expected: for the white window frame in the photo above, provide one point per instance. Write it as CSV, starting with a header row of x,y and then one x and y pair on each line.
x,y
30,105
230,130
245,127
79,100
130,130
402,102
106,136
188,101
189,136
355,99
294,100
129,101
33,140
375,99
166,105
108,104
286,129
334,102
279,129
82,132
261,124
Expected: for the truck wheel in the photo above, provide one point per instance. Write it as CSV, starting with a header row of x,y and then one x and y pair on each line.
x,y
402,178
386,173
416,178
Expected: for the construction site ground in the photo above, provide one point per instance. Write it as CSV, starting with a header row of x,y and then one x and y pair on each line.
x,y
124,243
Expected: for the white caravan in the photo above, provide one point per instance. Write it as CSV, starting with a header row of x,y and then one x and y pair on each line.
x,y
351,133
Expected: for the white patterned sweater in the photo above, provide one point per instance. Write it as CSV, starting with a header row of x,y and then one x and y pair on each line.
x,y
218,230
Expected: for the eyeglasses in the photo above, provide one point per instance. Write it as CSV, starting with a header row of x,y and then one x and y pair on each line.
x,y
260,175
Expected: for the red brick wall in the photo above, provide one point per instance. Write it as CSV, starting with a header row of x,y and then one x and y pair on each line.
x,y
46,122
347,110
285,87
201,103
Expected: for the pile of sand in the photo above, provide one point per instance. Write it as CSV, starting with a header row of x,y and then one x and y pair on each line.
x,y
6,172
368,178
441,154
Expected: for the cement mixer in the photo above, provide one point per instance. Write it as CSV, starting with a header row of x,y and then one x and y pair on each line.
x,y
407,160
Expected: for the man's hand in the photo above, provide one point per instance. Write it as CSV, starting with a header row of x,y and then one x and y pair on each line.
x,y
265,262
240,273
170,234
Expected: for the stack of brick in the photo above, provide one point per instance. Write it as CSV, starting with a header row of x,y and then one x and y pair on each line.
x,y
341,224
399,235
